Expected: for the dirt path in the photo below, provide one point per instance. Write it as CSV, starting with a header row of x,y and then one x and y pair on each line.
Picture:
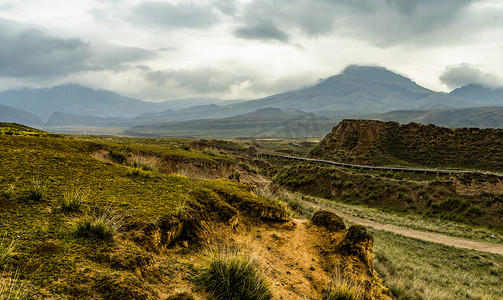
x,y
422,235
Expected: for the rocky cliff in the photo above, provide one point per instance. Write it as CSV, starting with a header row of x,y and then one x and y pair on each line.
x,y
390,143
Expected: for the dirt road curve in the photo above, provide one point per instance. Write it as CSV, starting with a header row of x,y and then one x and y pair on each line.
x,y
422,235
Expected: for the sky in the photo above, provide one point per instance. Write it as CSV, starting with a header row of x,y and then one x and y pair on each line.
x,y
246,49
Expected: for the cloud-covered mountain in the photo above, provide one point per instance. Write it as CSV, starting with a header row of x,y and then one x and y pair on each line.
x,y
77,100
478,92
357,90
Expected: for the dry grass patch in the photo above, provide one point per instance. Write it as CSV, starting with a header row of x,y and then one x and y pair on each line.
x,y
233,274
102,226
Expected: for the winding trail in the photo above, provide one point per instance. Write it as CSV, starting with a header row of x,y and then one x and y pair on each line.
x,y
422,235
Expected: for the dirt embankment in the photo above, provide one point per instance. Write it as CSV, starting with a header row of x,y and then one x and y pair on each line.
x,y
301,257
377,143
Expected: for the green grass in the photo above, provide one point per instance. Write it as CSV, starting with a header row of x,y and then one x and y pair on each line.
x,y
11,288
414,269
103,226
418,222
74,181
342,288
427,196
73,200
233,275
293,203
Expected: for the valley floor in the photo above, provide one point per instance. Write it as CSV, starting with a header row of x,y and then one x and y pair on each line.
x,y
422,235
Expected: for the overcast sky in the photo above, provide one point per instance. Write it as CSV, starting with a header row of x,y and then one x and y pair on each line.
x,y
160,50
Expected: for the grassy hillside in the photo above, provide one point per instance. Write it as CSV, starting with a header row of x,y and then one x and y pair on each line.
x,y
461,198
87,219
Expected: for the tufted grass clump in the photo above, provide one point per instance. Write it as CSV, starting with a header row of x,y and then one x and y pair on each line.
x,y
6,251
138,173
11,288
342,288
35,191
233,275
119,156
103,226
9,192
73,200
146,163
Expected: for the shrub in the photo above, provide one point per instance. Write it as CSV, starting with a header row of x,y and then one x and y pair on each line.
x,y
233,275
103,226
329,220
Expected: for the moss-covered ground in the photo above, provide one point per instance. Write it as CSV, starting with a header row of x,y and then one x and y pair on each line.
x,y
41,253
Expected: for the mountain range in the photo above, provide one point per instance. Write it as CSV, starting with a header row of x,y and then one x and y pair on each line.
x,y
359,91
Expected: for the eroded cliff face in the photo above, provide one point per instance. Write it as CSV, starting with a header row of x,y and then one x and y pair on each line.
x,y
390,143
352,141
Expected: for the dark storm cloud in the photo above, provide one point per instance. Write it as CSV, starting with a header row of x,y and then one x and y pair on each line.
x,y
459,75
186,14
33,53
263,30
383,23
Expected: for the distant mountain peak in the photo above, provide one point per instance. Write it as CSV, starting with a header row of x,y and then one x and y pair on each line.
x,y
379,74
475,91
268,111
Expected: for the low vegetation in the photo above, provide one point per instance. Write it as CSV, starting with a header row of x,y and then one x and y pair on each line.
x,y
105,228
233,274
429,196
102,226
342,288
414,269
73,200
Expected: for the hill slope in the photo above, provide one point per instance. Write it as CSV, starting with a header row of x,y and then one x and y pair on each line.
x,y
15,115
106,230
266,122
483,117
378,143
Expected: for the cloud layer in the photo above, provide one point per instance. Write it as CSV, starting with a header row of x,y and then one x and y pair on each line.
x,y
459,75
245,48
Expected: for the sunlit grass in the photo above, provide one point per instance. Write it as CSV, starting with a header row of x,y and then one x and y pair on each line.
x,y
233,274
414,269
